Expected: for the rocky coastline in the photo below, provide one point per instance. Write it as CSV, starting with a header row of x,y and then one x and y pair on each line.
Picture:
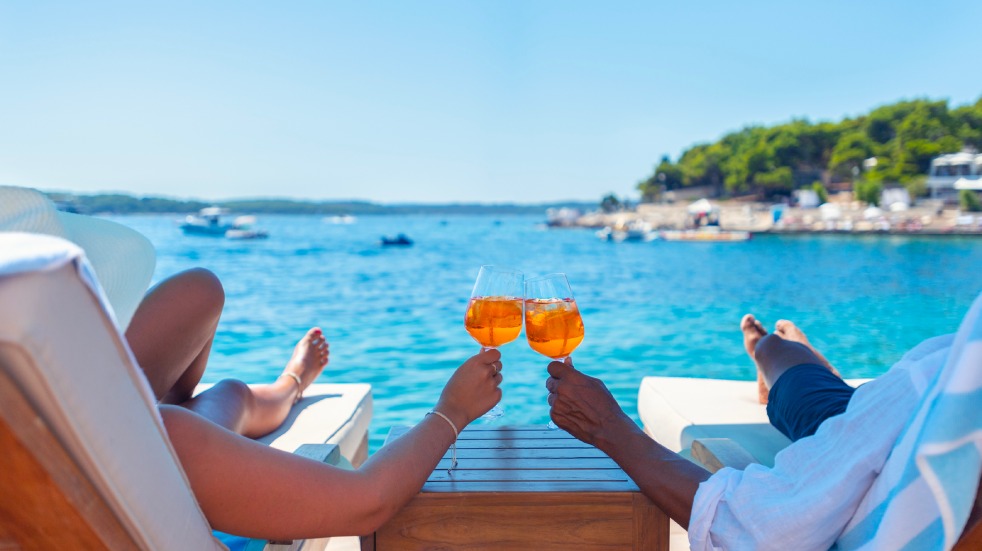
x,y
842,217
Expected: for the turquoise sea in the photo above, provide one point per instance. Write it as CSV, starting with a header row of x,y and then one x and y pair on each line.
x,y
394,316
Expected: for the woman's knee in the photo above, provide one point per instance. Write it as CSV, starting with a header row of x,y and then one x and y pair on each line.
x,y
202,287
234,391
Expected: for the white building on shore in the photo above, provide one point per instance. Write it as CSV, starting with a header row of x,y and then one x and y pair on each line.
x,y
949,174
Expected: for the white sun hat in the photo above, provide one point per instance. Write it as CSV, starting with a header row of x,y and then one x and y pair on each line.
x,y
123,259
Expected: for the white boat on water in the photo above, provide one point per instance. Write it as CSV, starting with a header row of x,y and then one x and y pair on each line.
x,y
705,234
209,222
341,219
635,230
562,217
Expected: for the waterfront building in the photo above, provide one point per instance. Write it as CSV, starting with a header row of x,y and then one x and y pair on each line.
x,y
954,172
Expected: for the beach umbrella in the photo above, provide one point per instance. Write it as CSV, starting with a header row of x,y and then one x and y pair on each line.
x,y
700,207
830,211
872,212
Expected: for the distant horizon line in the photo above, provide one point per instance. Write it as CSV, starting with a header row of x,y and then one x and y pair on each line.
x,y
314,201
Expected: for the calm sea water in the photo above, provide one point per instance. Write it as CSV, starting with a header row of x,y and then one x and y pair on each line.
x,y
394,316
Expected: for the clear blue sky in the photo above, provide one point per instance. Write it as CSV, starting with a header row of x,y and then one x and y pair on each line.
x,y
400,101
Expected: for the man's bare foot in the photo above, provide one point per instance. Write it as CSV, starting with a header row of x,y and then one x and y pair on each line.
x,y
309,357
789,331
753,331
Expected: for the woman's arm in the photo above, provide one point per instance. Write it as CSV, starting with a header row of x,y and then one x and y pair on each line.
x,y
249,489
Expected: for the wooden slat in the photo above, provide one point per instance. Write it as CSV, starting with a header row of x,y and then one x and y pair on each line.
x,y
529,475
716,453
472,463
569,487
518,453
505,432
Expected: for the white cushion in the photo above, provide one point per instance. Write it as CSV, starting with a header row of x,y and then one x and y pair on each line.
x,y
329,413
677,410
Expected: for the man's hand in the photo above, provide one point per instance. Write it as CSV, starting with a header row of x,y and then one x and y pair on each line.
x,y
582,405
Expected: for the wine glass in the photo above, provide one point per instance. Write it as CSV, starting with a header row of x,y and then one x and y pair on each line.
x,y
553,325
494,312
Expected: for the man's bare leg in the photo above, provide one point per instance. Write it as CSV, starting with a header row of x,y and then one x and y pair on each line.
x,y
776,353
789,331
753,331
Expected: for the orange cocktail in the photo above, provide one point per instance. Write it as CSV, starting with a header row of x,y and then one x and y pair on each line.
x,y
494,321
553,327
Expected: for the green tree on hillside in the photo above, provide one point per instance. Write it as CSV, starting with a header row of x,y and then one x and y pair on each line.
x,y
821,192
610,203
868,191
969,201
770,161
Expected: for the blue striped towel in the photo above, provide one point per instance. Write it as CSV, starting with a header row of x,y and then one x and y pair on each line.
x,y
924,494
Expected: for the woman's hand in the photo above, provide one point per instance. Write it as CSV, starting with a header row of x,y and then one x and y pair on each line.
x,y
473,389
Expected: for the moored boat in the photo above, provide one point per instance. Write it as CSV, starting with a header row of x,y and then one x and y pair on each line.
x,y
401,240
636,230
209,222
705,234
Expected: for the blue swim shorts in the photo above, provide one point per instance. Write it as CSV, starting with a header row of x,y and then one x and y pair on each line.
x,y
805,396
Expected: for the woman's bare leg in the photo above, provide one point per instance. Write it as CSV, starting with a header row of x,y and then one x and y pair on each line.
x,y
172,331
171,335
258,410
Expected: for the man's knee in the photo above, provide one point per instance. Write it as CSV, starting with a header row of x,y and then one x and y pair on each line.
x,y
774,355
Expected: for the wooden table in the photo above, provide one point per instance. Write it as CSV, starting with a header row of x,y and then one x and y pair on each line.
x,y
525,488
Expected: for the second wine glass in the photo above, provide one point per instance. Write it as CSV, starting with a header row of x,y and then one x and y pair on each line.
x,y
494,312
553,325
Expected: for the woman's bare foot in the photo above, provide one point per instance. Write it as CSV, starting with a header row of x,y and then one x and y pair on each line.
x,y
789,331
753,331
310,356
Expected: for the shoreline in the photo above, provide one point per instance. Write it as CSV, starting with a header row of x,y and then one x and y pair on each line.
x,y
840,218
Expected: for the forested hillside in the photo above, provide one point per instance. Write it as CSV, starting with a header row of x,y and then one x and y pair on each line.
x,y
769,161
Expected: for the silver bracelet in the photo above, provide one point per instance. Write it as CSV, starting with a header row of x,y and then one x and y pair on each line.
x,y
453,446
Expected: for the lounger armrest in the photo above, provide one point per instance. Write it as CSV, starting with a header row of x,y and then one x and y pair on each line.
x,y
325,453
716,453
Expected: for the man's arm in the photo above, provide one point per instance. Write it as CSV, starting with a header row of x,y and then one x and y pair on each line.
x,y
584,407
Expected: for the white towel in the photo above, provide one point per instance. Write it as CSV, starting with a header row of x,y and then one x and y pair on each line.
x,y
924,494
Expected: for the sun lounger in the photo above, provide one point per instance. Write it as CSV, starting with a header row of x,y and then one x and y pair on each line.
x,y
86,463
676,411
921,496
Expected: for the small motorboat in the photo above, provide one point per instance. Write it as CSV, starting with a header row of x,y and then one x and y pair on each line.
x,y
636,230
401,240
705,234
209,222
